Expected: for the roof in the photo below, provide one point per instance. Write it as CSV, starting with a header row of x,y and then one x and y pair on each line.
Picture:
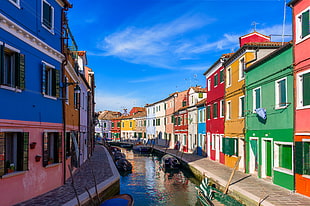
x,y
292,2
108,115
255,32
223,57
201,102
198,89
286,46
253,45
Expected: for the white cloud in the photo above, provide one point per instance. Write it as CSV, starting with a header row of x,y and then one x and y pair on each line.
x,y
115,102
276,32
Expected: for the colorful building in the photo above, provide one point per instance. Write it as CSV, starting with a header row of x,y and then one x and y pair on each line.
x,y
201,142
32,155
253,47
170,109
215,109
301,44
269,117
194,94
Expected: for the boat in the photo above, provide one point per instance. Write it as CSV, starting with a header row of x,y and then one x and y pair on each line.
x,y
126,145
119,155
142,148
119,200
170,162
207,194
123,165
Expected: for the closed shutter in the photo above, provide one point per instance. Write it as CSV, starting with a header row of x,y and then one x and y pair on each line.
x,y
25,151
1,63
306,157
305,24
45,149
299,158
282,93
21,72
305,89
54,82
57,83
2,153
59,147
44,78
257,97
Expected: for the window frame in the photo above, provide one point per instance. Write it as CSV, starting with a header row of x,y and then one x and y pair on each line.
x,y
228,110
241,68
254,98
278,95
215,110
222,76
215,80
277,167
228,77
298,26
51,30
222,108
50,81
241,111
300,98
208,111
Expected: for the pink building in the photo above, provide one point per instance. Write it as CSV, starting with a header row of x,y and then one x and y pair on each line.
x,y
301,40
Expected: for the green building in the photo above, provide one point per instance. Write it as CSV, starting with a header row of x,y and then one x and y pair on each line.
x,y
269,112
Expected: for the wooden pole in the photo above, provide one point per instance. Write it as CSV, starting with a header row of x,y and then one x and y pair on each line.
x,y
232,174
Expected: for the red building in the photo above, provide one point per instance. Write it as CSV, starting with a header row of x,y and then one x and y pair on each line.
x,y
301,48
181,125
116,128
215,109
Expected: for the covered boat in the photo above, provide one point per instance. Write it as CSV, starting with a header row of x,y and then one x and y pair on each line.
x,y
170,162
119,200
123,165
142,148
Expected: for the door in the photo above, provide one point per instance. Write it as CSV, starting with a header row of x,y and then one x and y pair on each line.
x,y
199,148
217,147
253,155
267,164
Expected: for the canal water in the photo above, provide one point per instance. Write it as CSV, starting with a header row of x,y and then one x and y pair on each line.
x,y
150,186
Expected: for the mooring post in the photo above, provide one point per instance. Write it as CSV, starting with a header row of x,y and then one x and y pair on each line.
x,y
232,174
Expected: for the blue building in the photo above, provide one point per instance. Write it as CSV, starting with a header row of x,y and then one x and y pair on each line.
x,y
201,105
31,129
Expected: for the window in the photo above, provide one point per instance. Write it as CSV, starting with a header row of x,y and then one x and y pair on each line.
x,y
256,98
222,76
228,77
303,85
69,145
13,152
241,68
281,96
16,3
77,100
302,25
50,80
47,17
222,108
12,68
118,124
200,95
215,83
209,112
284,155
52,150
200,116
209,84
241,106
112,124
215,110
213,142
302,157
228,110
130,124
230,146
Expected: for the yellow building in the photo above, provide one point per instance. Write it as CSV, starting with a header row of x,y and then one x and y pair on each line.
x,y
253,46
128,127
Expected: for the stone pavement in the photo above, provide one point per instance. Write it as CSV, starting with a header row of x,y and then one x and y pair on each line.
x,y
253,190
99,165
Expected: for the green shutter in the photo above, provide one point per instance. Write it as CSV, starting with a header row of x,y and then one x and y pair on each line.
x,y
45,148
305,24
1,63
306,157
53,82
57,83
286,156
43,78
222,75
2,153
299,158
305,89
21,73
257,97
59,147
282,93
25,151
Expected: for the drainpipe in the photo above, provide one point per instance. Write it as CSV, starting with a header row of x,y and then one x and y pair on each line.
x,y
253,60
63,64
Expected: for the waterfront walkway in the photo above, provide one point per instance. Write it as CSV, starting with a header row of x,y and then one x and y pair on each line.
x,y
98,166
253,190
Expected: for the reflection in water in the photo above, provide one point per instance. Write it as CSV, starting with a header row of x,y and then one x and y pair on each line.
x,y
149,185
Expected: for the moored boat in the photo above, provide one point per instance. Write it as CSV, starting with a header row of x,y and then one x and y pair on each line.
x,y
123,165
170,162
207,194
142,148
119,200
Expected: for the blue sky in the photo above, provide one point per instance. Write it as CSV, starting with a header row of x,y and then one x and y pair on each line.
x,y
143,50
